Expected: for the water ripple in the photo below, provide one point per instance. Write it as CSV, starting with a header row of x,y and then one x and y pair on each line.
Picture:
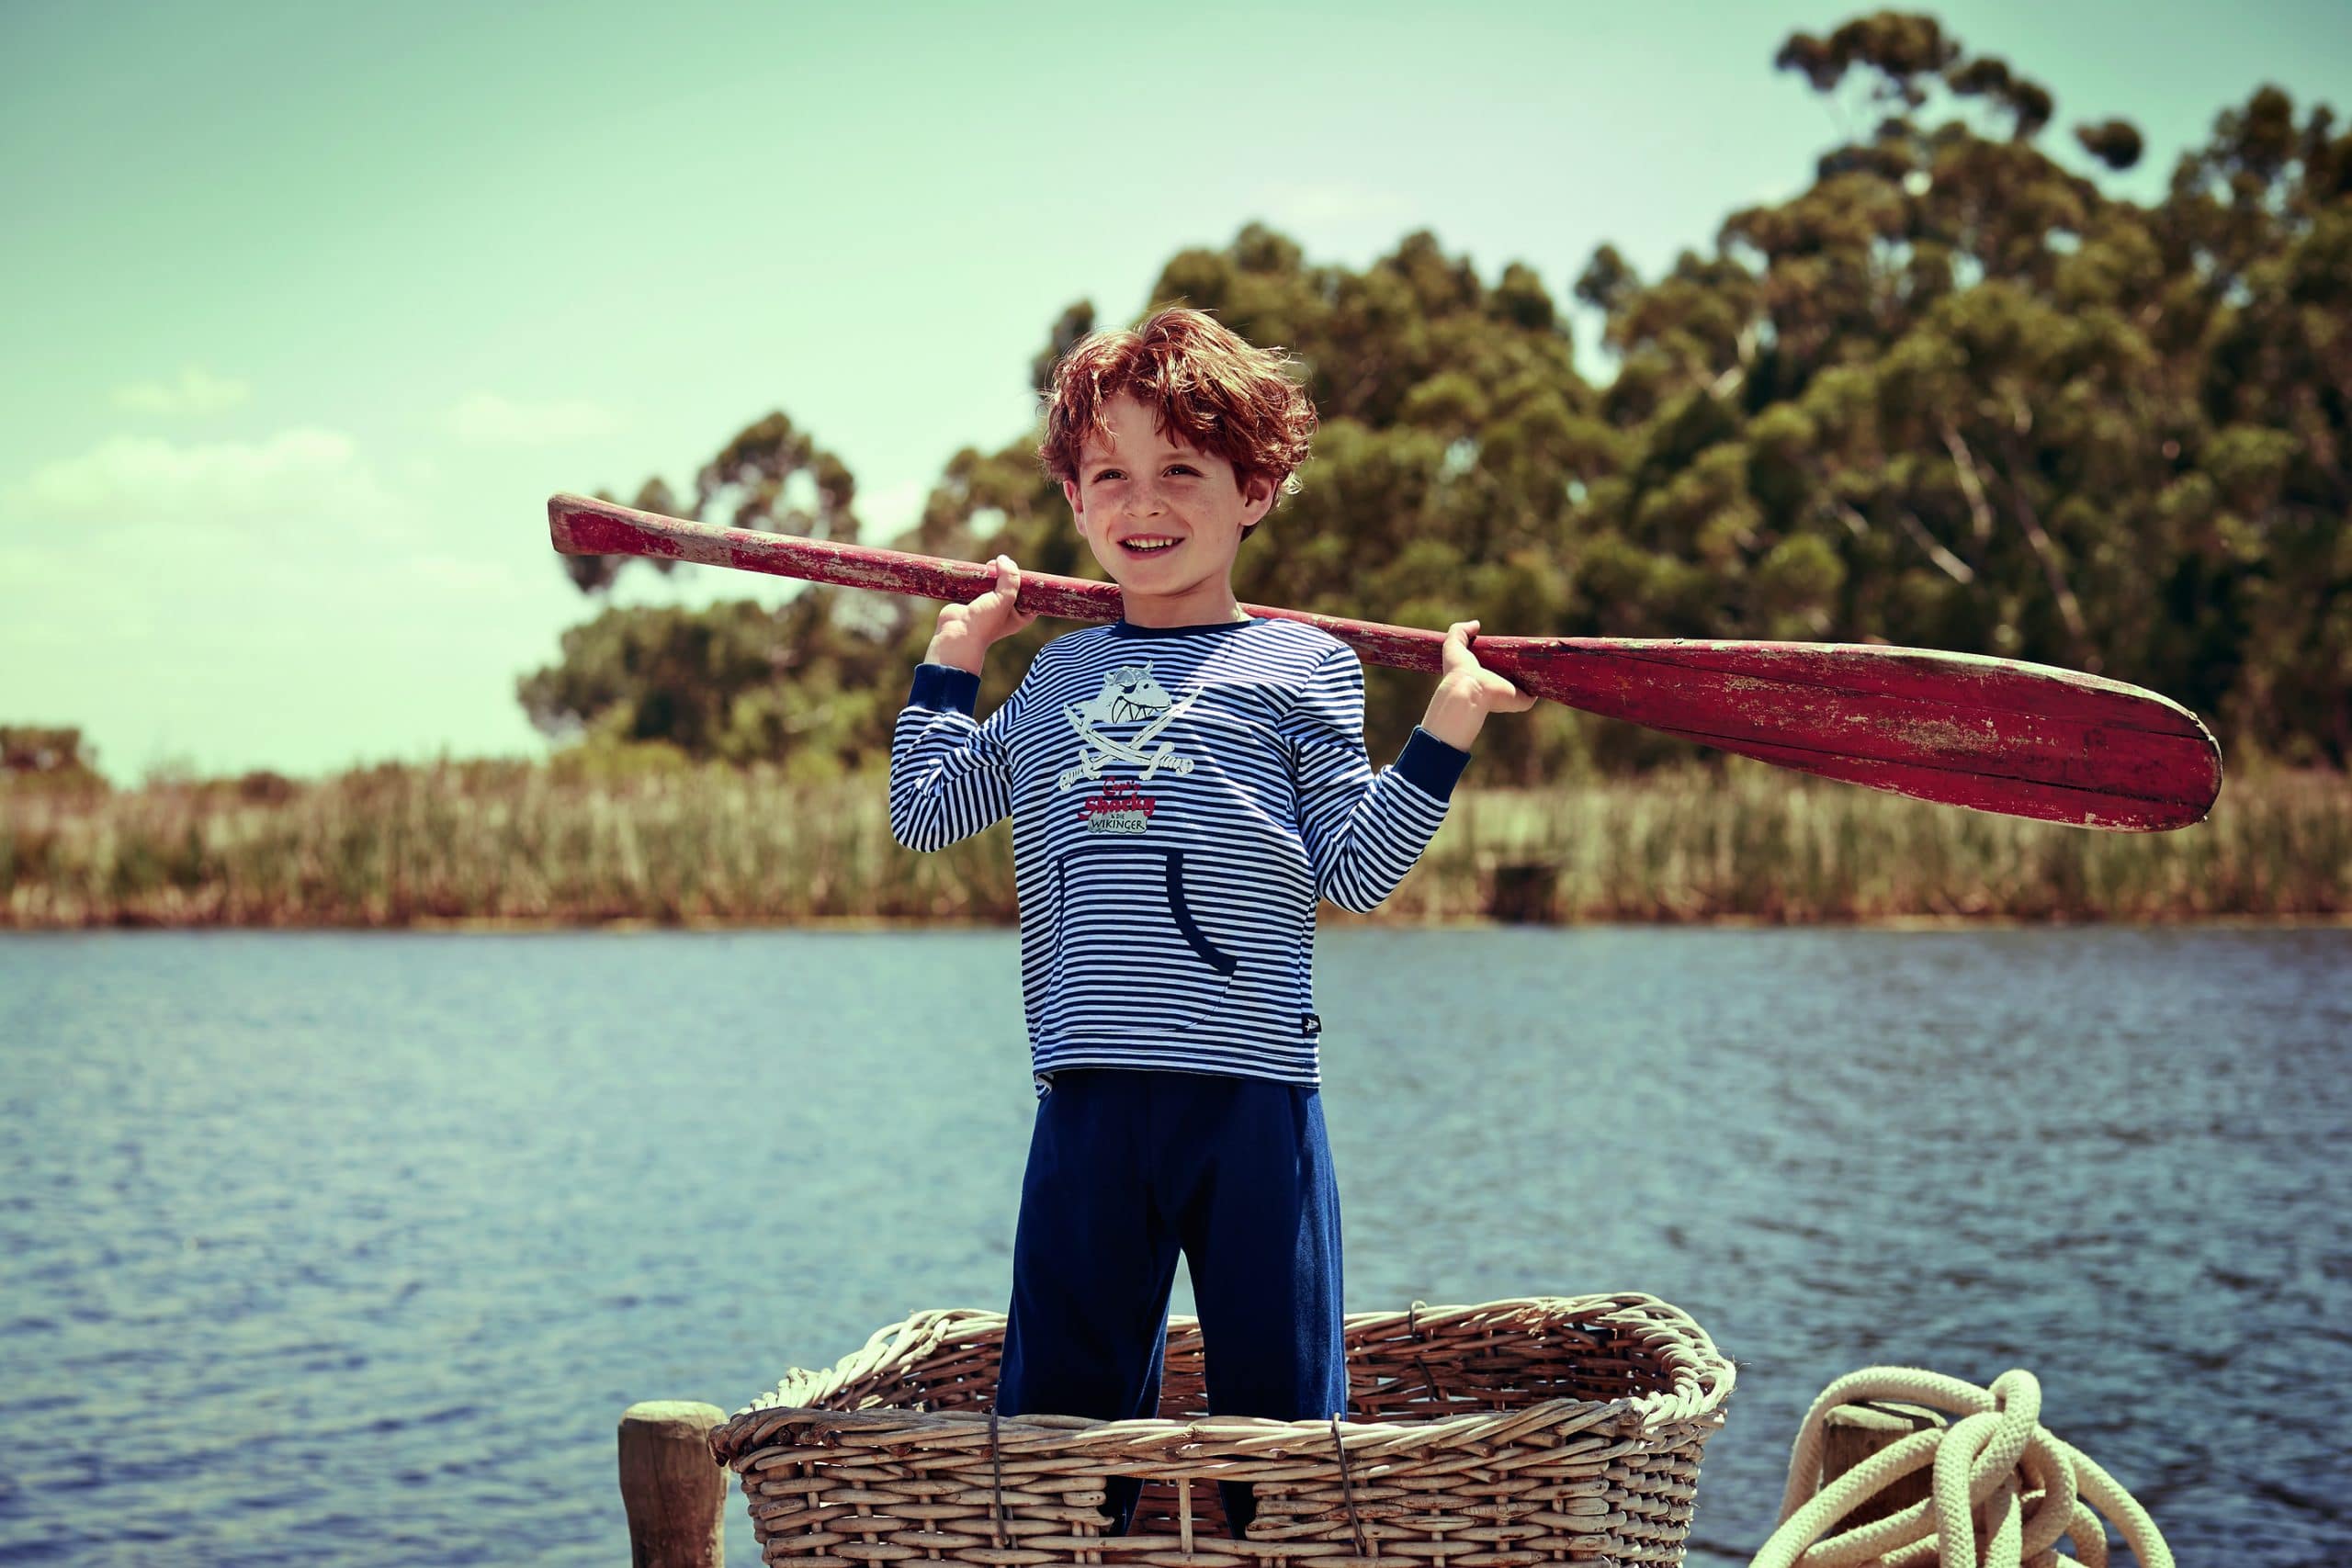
x,y
332,1247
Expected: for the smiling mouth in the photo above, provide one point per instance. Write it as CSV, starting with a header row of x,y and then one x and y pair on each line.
x,y
1132,547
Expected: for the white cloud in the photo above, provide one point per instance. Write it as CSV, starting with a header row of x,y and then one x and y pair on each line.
x,y
303,478
487,419
1331,201
287,600
197,391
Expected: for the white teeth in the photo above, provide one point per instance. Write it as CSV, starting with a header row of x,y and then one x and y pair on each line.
x,y
1144,548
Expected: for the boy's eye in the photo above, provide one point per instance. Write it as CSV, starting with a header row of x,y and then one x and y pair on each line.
x,y
1102,474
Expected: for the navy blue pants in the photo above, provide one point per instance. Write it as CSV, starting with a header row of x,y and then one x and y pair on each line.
x,y
1127,1167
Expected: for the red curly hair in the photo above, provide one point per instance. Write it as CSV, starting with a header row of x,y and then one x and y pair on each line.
x,y
1205,384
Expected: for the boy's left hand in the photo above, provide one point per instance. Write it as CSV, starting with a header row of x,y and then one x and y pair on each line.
x,y
1467,692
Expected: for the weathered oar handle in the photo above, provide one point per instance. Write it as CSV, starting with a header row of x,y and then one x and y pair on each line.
x,y
583,526
1958,728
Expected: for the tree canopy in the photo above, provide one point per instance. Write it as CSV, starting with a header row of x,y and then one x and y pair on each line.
x,y
1951,395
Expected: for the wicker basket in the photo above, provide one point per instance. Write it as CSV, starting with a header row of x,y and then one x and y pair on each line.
x,y
1541,1429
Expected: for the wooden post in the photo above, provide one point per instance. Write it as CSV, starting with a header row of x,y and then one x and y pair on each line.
x,y
676,1493
1523,892
1852,1433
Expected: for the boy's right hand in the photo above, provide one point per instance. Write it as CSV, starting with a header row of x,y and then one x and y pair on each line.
x,y
965,631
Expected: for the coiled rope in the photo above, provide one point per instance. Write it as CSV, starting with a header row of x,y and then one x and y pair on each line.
x,y
1997,1466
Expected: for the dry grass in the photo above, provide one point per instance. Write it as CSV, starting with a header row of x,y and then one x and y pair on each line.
x,y
514,841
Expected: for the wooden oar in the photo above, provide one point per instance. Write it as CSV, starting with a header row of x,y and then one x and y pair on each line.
x,y
1991,734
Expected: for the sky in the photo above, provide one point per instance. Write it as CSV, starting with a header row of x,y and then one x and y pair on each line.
x,y
311,307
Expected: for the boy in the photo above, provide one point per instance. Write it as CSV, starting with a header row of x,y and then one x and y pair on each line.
x,y
1184,783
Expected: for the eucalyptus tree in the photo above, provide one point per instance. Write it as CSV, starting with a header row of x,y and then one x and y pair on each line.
x,y
1950,394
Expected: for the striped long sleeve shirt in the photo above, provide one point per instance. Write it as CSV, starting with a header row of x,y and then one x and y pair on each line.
x,y
1182,798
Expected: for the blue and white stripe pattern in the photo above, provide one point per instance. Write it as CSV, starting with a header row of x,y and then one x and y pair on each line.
x,y
1181,798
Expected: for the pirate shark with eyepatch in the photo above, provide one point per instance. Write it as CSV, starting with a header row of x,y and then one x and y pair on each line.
x,y
1129,693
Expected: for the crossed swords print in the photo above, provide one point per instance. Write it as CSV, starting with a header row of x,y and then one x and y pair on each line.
x,y
1091,765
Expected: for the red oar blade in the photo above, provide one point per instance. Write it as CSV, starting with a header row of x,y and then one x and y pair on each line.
x,y
1961,729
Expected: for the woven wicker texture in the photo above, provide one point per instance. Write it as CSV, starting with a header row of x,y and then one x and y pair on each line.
x,y
1538,1430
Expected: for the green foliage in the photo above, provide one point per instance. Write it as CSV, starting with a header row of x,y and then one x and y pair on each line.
x,y
43,749
48,761
1951,395
617,765
734,682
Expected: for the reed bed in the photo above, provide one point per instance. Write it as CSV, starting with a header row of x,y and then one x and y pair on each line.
x,y
456,841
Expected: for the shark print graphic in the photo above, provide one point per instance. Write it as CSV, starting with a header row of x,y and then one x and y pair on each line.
x,y
1129,694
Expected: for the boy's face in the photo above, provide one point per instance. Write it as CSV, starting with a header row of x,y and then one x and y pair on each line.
x,y
1142,486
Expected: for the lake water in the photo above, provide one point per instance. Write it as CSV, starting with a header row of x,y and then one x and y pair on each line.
x,y
327,1248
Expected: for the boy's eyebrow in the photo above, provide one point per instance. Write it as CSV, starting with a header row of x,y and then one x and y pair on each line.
x,y
1096,459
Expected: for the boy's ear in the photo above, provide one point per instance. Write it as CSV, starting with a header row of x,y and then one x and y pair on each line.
x,y
1069,493
1258,499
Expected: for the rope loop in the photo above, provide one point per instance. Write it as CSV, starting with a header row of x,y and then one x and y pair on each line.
x,y
1998,1473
